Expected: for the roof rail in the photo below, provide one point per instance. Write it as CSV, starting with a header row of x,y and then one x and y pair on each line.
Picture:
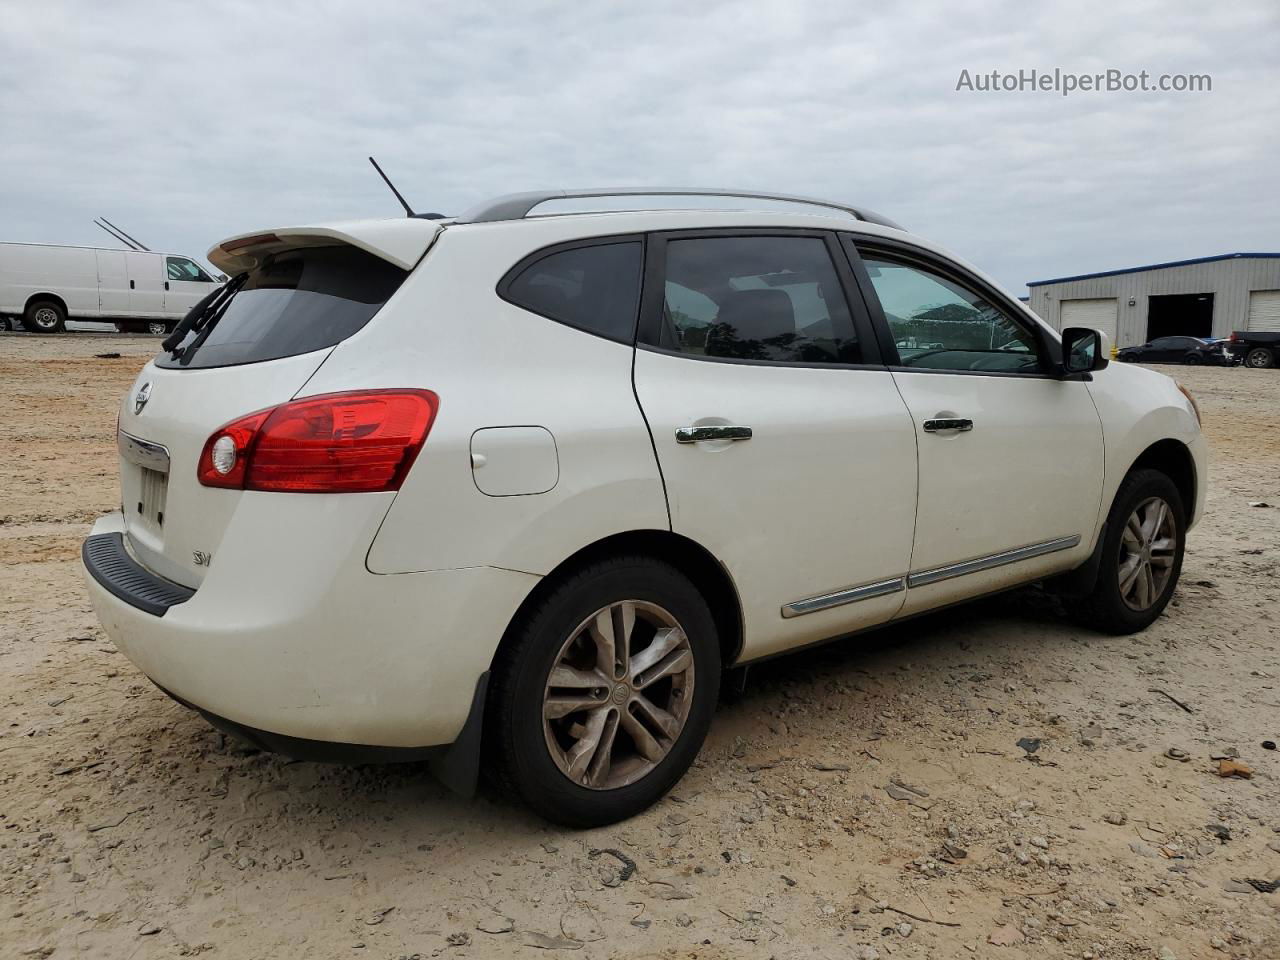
x,y
516,206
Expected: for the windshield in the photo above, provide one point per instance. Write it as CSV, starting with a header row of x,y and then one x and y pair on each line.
x,y
292,303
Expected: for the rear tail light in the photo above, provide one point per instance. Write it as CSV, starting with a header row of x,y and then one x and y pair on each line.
x,y
358,442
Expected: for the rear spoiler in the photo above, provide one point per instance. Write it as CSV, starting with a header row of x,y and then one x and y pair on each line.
x,y
401,242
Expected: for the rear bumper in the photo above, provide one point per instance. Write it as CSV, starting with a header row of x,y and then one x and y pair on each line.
x,y
317,751
293,638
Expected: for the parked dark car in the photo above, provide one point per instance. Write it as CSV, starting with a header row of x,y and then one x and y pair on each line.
x,y
1179,350
1255,348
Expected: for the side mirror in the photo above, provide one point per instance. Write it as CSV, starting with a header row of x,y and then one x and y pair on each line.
x,y
1084,350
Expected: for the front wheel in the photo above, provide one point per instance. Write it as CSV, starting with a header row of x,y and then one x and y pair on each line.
x,y
1141,556
1192,359
605,695
158,328
1260,358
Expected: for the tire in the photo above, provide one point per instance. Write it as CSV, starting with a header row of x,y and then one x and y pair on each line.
x,y
1193,359
45,316
533,757
157,328
1109,607
1260,358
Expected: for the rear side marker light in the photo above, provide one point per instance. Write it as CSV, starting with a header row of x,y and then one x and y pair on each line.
x,y
359,442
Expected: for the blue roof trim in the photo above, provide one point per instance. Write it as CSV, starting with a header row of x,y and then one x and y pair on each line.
x,y
1158,266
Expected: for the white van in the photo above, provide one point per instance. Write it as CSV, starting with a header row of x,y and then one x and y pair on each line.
x,y
45,285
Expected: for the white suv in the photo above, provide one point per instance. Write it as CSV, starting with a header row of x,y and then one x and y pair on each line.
x,y
521,487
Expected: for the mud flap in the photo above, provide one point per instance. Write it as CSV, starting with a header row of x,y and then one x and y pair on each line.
x,y
1080,581
458,766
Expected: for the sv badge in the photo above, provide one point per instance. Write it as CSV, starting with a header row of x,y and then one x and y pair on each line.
x,y
201,558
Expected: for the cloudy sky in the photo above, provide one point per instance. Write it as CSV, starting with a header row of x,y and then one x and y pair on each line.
x,y
186,123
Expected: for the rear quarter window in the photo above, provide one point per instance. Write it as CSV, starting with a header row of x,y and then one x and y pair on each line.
x,y
294,302
595,287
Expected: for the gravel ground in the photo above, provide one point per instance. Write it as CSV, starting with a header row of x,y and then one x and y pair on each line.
x,y
868,799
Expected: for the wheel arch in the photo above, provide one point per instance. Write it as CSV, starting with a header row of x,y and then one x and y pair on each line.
x,y
688,556
37,297
1168,456
1172,458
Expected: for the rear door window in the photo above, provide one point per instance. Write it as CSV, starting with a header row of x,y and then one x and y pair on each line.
x,y
774,299
293,302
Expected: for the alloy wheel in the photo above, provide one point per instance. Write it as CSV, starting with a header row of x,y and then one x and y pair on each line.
x,y
156,328
1148,547
618,695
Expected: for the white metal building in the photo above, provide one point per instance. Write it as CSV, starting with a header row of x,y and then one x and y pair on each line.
x,y
1205,297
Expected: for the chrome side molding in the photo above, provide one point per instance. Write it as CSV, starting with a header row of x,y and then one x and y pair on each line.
x,y
849,595
923,578
938,574
143,453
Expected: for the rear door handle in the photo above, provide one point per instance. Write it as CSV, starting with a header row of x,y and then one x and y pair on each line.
x,y
699,434
961,424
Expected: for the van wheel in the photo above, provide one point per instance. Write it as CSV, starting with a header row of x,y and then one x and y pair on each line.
x,y
45,316
1259,358
157,328
1141,556
605,695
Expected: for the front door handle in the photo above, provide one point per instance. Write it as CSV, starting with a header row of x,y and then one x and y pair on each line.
x,y
961,424
716,432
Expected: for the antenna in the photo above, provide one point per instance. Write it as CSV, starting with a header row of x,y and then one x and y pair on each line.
x,y
118,230
114,235
407,209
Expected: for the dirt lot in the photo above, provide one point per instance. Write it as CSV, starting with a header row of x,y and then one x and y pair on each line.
x,y
131,829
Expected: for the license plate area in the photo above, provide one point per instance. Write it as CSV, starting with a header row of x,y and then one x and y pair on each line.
x,y
152,491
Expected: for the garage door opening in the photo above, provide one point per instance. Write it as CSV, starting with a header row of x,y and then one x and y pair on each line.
x,y
1180,315
1098,314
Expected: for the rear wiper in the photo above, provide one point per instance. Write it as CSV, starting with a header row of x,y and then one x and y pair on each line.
x,y
202,316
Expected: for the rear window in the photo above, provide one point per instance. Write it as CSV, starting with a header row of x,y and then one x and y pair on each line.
x,y
294,302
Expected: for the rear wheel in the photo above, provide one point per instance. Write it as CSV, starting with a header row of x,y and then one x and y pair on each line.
x,y
1141,556
1193,359
1259,358
158,328
45,316
603,699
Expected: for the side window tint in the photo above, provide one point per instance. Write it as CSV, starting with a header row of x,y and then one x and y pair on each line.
x,y
595,288
756,298
941,325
